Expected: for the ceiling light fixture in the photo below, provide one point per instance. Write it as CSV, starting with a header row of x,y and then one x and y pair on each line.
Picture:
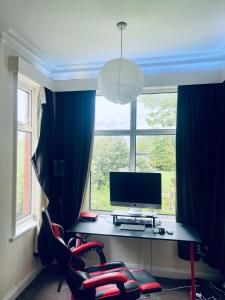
x,y
121,80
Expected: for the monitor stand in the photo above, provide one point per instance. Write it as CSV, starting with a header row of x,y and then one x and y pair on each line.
x,y
132,213
135,212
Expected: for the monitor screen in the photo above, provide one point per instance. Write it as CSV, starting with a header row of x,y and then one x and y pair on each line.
x,y
135,189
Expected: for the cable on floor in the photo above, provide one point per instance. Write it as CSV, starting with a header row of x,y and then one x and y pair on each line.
x,y
179,287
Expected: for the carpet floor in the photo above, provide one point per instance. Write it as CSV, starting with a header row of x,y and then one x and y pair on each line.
x,y
44,287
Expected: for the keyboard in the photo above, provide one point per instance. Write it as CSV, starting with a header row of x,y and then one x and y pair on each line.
x,y
134,221
136,227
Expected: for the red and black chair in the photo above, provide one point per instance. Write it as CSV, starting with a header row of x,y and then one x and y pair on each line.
x,y
110,281
79,246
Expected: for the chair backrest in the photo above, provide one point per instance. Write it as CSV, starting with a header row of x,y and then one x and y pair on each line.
x,y
56,242
63,255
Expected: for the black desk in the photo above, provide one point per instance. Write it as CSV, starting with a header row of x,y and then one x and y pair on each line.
x,y
104,226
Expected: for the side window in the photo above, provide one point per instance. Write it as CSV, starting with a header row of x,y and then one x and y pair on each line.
x,y
25,129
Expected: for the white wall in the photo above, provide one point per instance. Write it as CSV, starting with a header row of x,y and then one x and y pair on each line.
x,y
156,79
223,75
163,261
18,265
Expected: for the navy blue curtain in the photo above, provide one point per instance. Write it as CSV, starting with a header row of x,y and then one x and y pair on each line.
x,y
200,165
62,156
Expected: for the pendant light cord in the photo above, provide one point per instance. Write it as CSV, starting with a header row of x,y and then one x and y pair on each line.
x,y
121,42
121,26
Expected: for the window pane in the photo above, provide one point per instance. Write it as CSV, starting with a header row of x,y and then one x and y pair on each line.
x,y
157,153
111,153
23,107
23,185
109,115
156,111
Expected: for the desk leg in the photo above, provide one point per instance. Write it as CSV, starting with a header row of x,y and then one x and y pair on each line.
x,y
193,294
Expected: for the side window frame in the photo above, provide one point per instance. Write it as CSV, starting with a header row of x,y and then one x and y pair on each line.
x,y
24,223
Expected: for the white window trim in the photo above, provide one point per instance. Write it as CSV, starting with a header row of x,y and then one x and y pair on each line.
x,y
21,226
133,133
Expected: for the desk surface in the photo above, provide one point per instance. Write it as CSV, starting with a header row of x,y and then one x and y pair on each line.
x,y
104,226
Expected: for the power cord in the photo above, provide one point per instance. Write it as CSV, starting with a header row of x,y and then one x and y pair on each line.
x,y
179,287
151,255
198,295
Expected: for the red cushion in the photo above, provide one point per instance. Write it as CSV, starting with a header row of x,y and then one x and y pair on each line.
x,y
103,279
104,268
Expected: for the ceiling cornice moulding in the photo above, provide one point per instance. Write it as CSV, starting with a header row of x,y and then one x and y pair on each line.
x,y
30,53
26,50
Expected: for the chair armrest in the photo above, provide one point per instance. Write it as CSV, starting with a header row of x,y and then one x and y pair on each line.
x,y
78,240
93,245
116,277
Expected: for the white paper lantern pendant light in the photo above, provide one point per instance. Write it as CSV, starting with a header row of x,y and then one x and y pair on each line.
x,y
121,80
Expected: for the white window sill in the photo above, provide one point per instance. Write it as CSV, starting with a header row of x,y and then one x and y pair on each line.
x,y
22,229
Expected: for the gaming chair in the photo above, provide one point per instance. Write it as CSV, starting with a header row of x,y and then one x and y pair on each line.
x,y
107,280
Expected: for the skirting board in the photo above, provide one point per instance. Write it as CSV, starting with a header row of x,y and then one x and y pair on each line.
x,y
173,273
17,290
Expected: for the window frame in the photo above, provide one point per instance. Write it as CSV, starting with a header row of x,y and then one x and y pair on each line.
x,y
23,83
26,128
133,133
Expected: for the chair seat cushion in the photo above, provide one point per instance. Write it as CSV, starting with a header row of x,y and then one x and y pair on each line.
x,y
99,268
147,283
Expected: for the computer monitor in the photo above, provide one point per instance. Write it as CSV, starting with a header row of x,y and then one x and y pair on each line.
x,y
134,189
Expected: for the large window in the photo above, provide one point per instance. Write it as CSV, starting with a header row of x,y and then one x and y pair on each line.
x,y
138,137
24,151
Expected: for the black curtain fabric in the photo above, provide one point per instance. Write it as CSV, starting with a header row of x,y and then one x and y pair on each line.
x,y
75,113
45,154
62,156
200,165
